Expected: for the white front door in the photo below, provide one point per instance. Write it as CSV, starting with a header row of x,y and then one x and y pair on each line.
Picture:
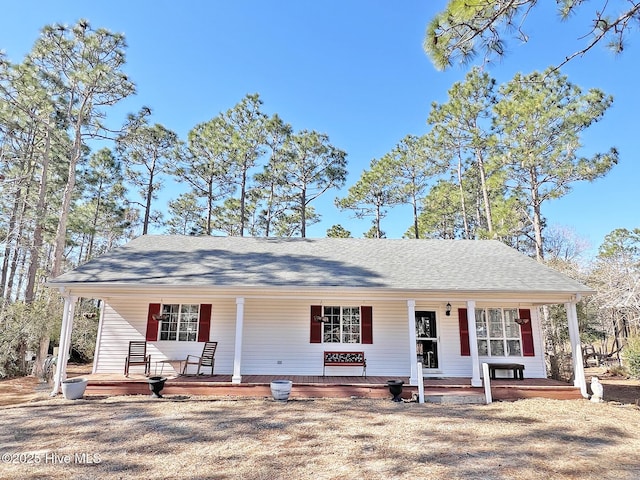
x,y
427,339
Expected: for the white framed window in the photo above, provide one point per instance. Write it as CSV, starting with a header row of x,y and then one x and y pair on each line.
x,y
179,322
341,325
498,333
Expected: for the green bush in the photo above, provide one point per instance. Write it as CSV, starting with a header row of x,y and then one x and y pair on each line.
x,y
618,370
631,355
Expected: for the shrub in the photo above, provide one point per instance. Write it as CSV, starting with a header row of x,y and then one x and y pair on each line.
x,y
618,370
631,355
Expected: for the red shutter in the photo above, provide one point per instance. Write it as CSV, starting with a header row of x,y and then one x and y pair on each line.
x,y
465,350
366,322
316,327
204,322
152,324
527,334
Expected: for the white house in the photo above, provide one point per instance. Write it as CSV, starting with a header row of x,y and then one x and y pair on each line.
x,y
275,305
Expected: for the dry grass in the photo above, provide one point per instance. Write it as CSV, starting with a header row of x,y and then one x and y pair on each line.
x,y
137,437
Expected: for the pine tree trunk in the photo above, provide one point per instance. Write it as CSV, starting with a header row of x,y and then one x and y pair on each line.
x,y
40,215
61,232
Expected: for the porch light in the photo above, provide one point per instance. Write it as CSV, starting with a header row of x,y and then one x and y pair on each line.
x,y
448,310
521,321
320,319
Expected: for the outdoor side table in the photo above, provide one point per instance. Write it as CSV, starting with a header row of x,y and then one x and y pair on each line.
x,y
171,362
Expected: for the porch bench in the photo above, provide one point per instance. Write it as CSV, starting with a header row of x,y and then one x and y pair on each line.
x,y
345,359
516,368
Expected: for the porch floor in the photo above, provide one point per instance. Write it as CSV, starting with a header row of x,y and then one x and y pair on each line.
x,y
440,390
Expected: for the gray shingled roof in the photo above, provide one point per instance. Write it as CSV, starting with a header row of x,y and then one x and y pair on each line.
x,y
231,262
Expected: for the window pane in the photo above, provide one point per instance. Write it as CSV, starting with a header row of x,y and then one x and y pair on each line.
x,y
482,347
495,323
169,323
512,330
351,324
497,348
331,328
350,318
426,325
192,309
513,348
331,338
481,323
167,335
332,311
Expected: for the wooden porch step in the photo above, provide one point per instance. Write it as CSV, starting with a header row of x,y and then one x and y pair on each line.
x,y
555,392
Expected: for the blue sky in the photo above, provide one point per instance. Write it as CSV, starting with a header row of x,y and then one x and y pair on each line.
x,y
353,69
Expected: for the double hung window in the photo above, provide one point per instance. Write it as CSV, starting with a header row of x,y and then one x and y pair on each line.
x,y
498,333
179,322
341,325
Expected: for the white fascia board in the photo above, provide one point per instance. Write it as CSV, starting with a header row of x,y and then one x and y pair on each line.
x,y
104,291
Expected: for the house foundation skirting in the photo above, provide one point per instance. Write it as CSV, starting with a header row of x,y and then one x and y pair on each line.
x,y
258,386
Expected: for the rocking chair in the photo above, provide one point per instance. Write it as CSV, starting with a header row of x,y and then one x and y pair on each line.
x,y
137,356
205,360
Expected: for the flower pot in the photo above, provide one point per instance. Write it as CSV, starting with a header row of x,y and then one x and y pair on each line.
x,y
156,384
73,388
280,389
395,388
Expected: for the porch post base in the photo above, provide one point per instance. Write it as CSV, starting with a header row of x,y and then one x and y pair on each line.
x,y
237,379
476,382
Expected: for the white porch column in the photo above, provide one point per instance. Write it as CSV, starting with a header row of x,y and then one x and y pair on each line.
x,y
237,355
576,348
96,354
413,354
473,344
65,343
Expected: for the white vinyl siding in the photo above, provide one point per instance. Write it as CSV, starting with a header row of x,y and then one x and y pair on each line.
x,y
276,338
276,341
125,319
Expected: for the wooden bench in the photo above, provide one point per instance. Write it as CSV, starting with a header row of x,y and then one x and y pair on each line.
x,y
516,368
345,359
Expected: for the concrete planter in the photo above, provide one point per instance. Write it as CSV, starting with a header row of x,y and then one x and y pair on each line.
x,y
73,388
280,389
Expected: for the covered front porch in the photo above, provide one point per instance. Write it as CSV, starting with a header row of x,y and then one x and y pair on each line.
x,y
235,383
436,390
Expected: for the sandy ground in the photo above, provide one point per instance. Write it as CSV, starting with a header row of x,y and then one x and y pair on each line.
x,y
190,437
180,437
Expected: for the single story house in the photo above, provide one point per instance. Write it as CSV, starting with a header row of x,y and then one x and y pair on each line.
x,y
276,305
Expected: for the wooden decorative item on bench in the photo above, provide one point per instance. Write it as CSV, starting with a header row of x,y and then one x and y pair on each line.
x,y
205,360
137,356
345,359
516,368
